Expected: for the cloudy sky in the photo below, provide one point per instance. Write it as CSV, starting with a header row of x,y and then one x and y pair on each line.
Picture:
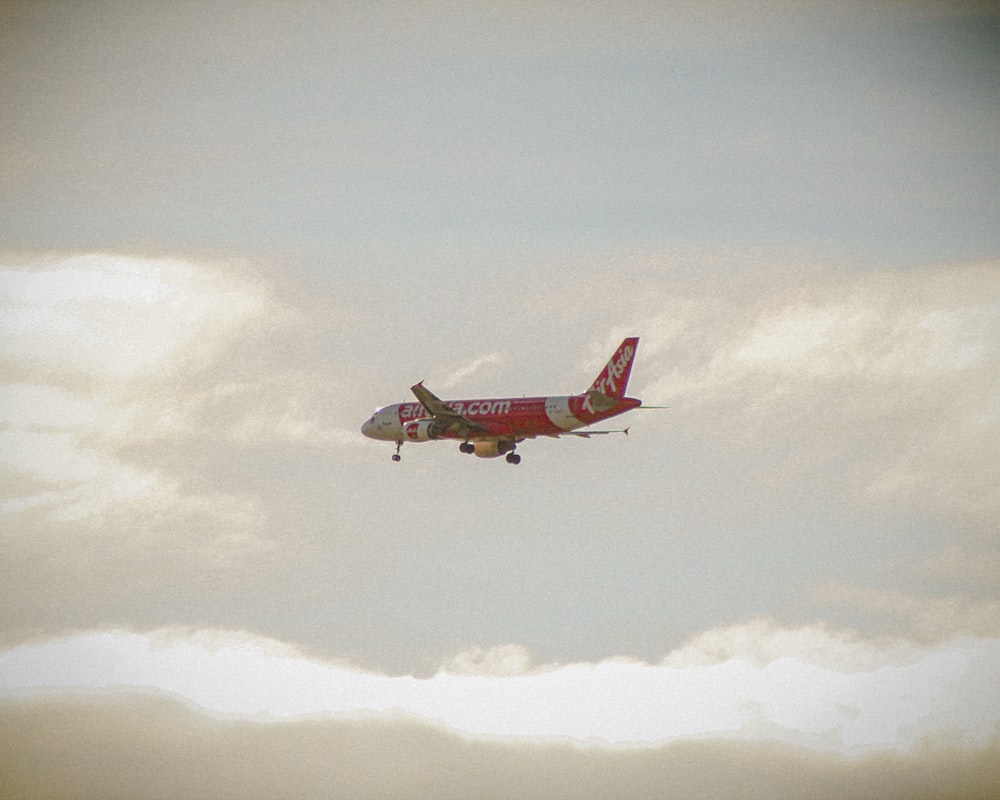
x,y
229,231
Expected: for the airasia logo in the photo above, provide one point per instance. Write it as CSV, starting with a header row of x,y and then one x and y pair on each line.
x,y
615,369
468,408
608,382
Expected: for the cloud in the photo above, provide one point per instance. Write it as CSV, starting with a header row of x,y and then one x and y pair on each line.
x,y
805,687
115,318
91,338
107,354
762,641
470,369
887,378
504,659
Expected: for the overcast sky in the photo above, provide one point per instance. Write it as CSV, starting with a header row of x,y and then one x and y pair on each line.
x,y
228,232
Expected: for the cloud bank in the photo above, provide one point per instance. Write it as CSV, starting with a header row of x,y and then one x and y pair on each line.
x,y
805,687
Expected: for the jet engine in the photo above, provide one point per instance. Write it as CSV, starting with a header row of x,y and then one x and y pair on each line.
x,y
423,430
491,448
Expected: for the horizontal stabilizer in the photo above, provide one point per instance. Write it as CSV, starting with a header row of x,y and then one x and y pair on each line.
x,y
586,434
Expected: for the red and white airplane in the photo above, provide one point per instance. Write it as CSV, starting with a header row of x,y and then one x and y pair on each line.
x,y
492,428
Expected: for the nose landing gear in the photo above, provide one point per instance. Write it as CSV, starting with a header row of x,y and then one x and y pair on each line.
x,y
396,456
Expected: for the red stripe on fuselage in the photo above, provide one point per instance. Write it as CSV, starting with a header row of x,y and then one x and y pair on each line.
x,y
514,417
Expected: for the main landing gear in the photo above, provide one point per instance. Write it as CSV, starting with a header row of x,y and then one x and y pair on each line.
x,y
492,449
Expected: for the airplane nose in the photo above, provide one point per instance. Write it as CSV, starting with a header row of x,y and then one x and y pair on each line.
x,y
366,428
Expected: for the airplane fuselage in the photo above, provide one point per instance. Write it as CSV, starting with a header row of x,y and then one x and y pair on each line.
x,y
509,417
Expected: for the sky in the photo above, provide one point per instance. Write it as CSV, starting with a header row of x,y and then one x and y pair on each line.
x,y
228,232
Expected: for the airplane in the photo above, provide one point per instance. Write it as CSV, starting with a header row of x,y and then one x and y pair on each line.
x,y
494,427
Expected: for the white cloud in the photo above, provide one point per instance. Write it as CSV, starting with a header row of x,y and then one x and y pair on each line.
x,y
117,318
504,659
83,481
94,338
806,338
470,369
762,641
887,377
808,687
879,329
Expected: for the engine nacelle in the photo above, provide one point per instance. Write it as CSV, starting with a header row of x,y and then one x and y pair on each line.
x,y
423,430
491,448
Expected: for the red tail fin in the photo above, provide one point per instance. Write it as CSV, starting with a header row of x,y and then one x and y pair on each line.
x,y
614,377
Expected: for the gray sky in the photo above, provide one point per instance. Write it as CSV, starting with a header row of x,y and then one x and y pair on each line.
x,y
231,231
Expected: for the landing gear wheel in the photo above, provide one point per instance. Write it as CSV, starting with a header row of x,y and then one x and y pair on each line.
x,y
513,458
466,447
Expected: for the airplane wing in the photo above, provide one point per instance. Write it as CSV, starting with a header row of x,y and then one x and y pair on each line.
x,y
438,409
